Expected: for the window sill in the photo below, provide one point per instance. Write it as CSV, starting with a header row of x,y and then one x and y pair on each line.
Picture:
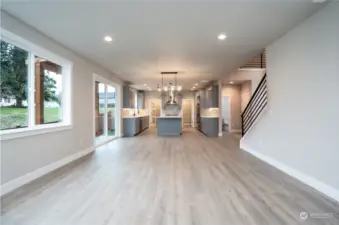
x,y
25,132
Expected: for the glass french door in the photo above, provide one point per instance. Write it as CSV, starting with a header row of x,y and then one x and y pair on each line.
x,y
105,113
155,112
111,111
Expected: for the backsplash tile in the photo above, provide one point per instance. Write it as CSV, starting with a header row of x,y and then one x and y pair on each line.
x,y
131,112
213,112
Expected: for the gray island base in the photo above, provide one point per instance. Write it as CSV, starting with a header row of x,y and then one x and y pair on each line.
x,y
169,126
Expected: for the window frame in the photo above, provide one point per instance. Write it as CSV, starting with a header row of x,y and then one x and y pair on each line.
x,y
67,67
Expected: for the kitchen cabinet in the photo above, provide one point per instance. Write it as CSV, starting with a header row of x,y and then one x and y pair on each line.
x,y
169,126
134,125
209,126
144,121
128,97
209,97
141,100
202,98
137,125
214,97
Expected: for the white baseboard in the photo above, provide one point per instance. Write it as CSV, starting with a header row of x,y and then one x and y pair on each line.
x,y
310,181
14,184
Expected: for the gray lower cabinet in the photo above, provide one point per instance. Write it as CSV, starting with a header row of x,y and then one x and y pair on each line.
x,y
134,125
169,126
144,122
137,125
209,126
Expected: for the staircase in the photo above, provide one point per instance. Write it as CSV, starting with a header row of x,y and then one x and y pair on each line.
x,y
255,106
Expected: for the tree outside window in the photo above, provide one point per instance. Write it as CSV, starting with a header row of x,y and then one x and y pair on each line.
x,y
14,89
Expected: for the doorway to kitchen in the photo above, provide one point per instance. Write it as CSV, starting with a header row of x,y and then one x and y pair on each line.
x,y
155,111
225,111
187,105
106,115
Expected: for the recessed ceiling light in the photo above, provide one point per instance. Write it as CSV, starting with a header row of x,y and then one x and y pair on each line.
x,y
196,84
222,36
231,82
108,38
145,84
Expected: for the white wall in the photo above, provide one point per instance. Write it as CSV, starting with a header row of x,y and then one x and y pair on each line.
x,y
252,75
151,95
300,129
245,94
23,155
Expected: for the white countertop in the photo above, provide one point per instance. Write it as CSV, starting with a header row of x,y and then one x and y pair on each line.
x,y
209,116
169,117
127,117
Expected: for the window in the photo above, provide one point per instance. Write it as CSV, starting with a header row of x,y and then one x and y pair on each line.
x,y
48,91
35,87
14,86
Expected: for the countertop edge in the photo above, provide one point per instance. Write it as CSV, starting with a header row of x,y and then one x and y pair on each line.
x,y
133,117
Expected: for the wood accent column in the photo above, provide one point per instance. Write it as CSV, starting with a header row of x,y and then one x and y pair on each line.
x,y
39,93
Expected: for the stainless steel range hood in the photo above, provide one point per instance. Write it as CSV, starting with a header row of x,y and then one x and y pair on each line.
x,y
171,99
171,106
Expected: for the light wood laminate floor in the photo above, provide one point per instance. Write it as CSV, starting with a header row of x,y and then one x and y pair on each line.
x,y
167,181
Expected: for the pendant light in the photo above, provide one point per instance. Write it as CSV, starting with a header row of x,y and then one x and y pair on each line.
x,y
171,86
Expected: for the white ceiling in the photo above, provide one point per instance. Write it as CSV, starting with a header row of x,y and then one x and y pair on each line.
x,y
154,36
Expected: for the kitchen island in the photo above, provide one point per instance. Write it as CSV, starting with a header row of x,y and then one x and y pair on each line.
x,y
169,125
